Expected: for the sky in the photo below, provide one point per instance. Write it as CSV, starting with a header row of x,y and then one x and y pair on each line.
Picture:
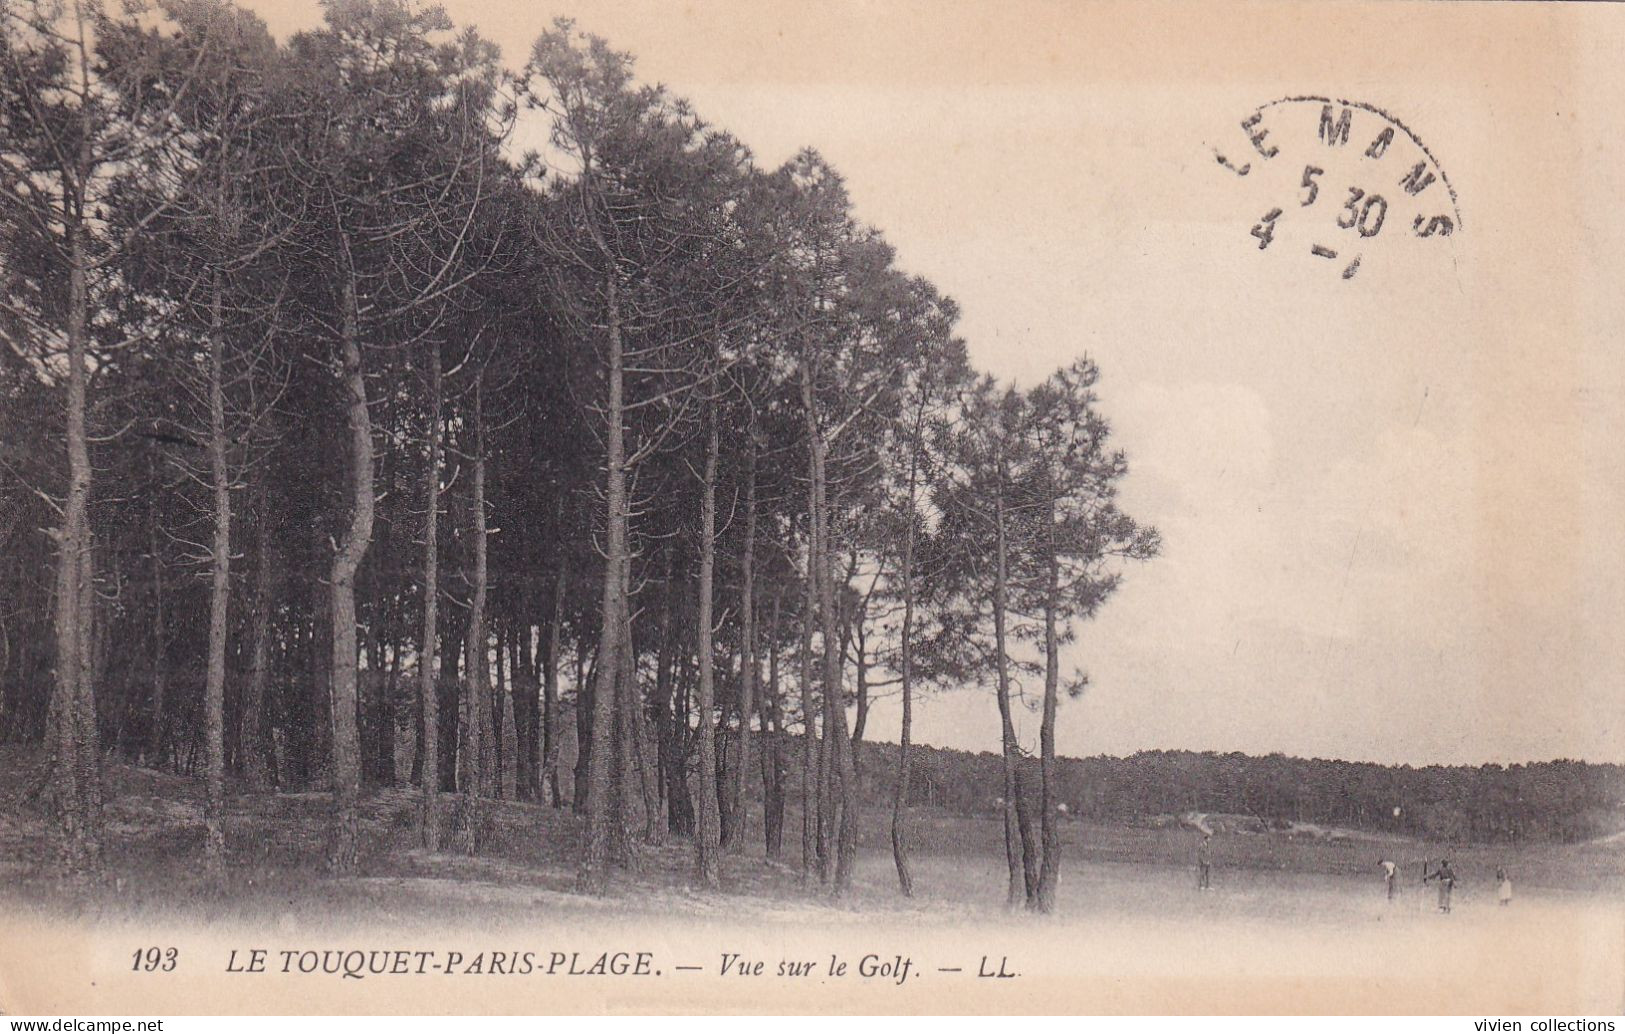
x,y
1390,503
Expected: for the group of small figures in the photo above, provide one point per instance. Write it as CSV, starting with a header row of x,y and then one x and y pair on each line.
x,y
1444,875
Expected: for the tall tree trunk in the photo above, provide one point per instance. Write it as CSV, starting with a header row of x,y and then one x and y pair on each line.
x,y
626,760
817,573
477,756
845,774
584,714
663,692
828,801
214,685
734,829
506,774
1001,659
158,734
636,727
479,649
811,804
377,700
526,703
77,762
1050,870
321,684
706,843
1030,860
347,559
593,877
429,645
772,752
669,720
550,683
255,745
496,729
899,814
860,658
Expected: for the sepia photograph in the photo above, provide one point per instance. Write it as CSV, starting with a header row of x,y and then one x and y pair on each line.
x,y
527,507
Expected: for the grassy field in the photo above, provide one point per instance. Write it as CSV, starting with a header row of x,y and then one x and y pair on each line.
x,y
154,823
1293,923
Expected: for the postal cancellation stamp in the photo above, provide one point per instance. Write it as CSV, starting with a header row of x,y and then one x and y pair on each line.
x,y
1339,180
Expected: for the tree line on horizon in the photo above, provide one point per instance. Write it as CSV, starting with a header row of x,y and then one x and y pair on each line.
x,y
324,414
1559,801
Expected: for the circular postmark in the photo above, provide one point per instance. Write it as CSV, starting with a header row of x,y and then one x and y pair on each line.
x,y
1338,180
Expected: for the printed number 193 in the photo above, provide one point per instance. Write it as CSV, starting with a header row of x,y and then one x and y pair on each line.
x,y
152,960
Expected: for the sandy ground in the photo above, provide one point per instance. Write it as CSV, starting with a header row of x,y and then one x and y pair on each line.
x,y
1129,938
1292,924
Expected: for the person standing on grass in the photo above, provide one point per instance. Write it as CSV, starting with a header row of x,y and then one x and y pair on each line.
x,y
1504,892
1447,883
1390,875
1204,862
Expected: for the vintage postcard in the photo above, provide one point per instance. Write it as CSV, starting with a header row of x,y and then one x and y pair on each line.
x,y
880,506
